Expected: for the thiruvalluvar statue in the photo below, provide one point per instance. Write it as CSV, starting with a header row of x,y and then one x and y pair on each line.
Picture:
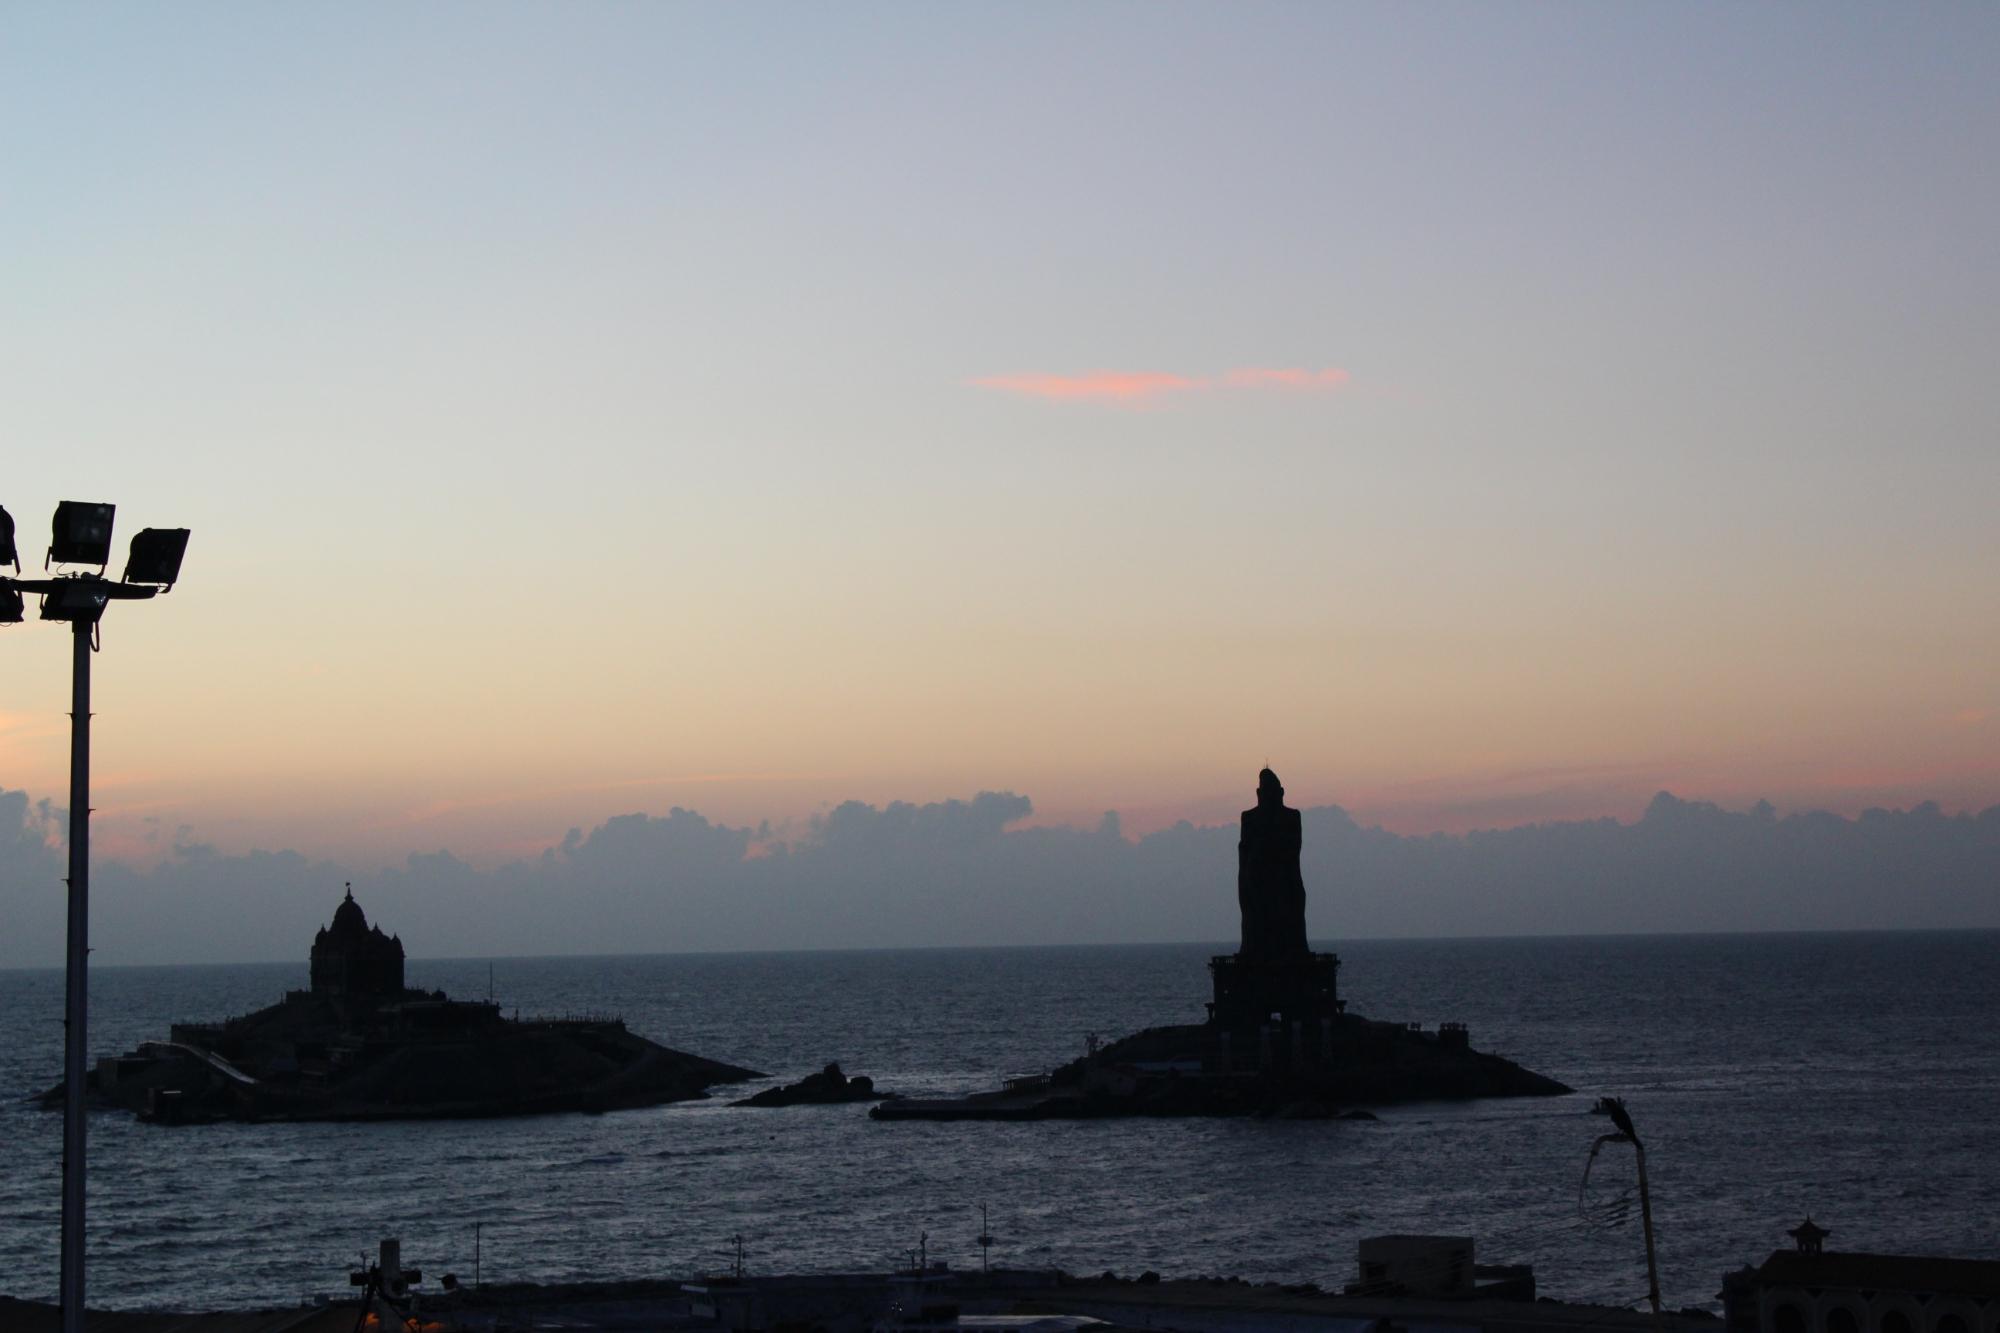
x,y
1269,887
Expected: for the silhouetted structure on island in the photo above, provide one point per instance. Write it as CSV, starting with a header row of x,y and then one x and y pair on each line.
x,y
361,1045
1278,1039
1270,890
1274,978
351,958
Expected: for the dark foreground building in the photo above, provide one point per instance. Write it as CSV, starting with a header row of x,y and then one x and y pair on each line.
x,y
1811,1289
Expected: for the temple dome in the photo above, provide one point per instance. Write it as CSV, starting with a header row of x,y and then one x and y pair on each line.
x,y
348,918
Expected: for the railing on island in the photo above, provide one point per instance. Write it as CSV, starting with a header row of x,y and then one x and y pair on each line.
x,y
587,1018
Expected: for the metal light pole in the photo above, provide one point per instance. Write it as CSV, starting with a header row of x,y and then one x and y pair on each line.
x,y
82,536
76,979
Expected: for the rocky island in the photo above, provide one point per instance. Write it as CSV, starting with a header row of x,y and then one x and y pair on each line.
x,y
360,1045
831,1086
1278,1040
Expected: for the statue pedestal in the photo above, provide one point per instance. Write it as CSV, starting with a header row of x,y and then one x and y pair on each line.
x,y
1274,1015
1253,992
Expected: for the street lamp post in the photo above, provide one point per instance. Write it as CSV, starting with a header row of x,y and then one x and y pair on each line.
x,y
82,536
1615,1108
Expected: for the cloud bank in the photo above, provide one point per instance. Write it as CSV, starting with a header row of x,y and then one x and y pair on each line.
x,y
1135,386
962,873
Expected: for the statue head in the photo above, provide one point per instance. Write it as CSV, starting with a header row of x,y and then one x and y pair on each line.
x,y
1270,791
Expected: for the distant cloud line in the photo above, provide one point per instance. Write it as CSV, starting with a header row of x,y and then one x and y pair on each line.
x,y
1135,386
972,873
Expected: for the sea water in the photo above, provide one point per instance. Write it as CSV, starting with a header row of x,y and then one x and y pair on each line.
x,y
1855,1077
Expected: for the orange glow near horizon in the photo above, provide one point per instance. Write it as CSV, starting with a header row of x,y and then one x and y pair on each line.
x,y
491,813
1426,686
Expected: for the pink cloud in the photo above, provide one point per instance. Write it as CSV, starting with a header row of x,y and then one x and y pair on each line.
x,y
1136,386
1261,377
1118,385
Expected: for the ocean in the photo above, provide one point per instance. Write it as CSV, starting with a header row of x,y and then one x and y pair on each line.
x,y
1855,1077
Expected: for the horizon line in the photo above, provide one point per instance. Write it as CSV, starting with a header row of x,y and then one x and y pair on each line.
x,y
1525,936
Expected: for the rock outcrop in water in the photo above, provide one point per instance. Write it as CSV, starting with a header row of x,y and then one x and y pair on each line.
x,y
359,1045
1278,1035
829,1087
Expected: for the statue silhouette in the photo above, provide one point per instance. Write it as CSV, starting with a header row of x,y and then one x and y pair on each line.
x,y
1269,888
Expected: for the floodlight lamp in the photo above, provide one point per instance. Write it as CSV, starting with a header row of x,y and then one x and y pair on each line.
x,y
8,554
156,556
79,601
82,534
12,612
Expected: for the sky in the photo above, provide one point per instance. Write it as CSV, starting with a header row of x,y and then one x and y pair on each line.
x,y
1485,415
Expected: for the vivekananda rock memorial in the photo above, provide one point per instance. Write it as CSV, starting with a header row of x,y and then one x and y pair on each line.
x,y
360,1045
1279,1039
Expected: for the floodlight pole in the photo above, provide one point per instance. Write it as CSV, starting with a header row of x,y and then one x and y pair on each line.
x,y
82,535
76,990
